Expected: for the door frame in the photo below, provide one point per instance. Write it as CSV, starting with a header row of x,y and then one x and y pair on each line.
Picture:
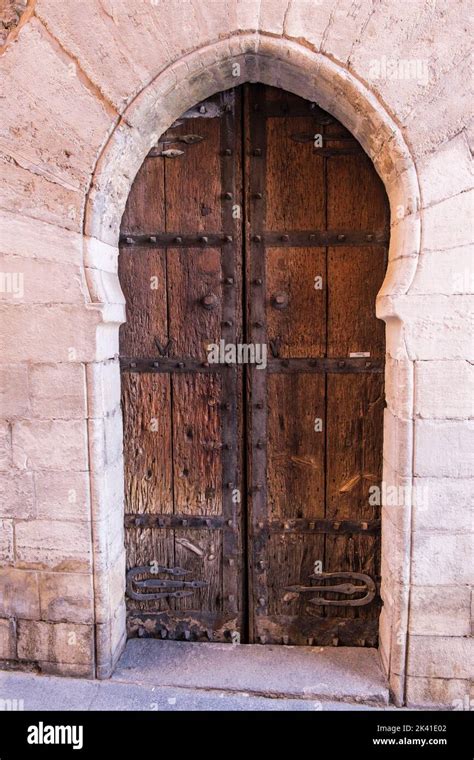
x,y
195,77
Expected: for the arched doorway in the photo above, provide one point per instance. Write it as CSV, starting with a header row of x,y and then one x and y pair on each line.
x,y
253,246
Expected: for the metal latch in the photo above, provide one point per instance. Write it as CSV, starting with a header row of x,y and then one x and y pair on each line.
x,y
144,589
368,587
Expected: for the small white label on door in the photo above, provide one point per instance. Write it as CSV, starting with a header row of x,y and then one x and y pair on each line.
x,y
359,354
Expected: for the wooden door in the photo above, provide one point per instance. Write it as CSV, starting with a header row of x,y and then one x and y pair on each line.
x,y
248,515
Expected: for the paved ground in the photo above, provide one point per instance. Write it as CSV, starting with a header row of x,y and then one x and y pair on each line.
x,y
166,675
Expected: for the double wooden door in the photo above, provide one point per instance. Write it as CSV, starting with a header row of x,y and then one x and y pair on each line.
x,y
252,249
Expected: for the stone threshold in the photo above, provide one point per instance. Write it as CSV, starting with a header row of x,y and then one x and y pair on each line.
x,y
345,674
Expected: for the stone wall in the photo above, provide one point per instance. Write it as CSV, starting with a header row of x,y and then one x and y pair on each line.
x,y
86,88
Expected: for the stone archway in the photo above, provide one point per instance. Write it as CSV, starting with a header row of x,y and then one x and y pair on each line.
x,y
195,77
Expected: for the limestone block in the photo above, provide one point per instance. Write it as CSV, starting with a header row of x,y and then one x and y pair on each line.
x,y
106,439
7,640
449,271
50,445
107,489
19,595
17,496
444,389
438,692
448,224
65,643
442,559
441,657
345,26
308,20
40,281
5,446
49,333
444,504
398,442
444,448
55,545
399,383
62,495
447,172
66,597
6,542
30,238
58,391
71,120
440,611
14,401
103,381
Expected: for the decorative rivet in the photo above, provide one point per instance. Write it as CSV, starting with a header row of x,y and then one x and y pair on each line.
x,y
258,196
262,639
152,238
163,633
133,364
341,364
261,564
259,445
202,109
230,560
229,485
129,240
228,238
204,364
257,238
341,237
230,597
310,641
208,523
364,526
227,406
258,324
209,301
180,365
258,281
178,239
335,641
155,364
258,487
336,525
312,236
186,635
229,523
204,239
161,522
368,364
184,522
261,600
285,238
257,152
259,405
229,280
286,640
227,152
261,524
370,238
227,323
211,557
227,196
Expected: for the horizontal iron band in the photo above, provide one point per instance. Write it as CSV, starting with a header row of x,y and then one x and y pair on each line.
x,y
302,525
321,365
303,238
176,521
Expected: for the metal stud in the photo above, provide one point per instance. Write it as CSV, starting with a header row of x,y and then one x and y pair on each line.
x,y
336,525
204,239
229,280
370,238
227,323
229,523
259,405
261,564
178,239
163,633
261,525
228,238
257,238
258,487
229,485
341,238
257,152
259,445
186,634
258,196
227,152
180,365
161,522
258,324
261,600
312,236
133,364
230,560
258,281
155,364
335,641
129,240
152,238
285,238
368,364
227,196
230,598
262,639
184,522
310,641
364,526
341,364
202,109
286,640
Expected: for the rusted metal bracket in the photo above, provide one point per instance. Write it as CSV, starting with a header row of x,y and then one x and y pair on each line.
x,y
169,588
186,139
368,587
